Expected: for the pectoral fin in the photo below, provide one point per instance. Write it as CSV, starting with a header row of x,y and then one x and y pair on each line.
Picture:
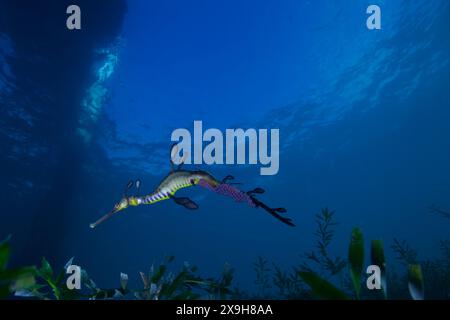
x,y
185,202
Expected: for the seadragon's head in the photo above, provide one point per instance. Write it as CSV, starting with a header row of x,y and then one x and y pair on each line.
x,y
119,206
124,203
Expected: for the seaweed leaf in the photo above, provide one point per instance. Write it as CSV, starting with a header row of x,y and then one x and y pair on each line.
x,y
4,291
123,281
16,273
17,279
5,252
324,234
405,253
281,280
63,271
12,280
159,273
321,287
441,212
415,282
260,266
378,259
225,282
356,259
46,271
170,288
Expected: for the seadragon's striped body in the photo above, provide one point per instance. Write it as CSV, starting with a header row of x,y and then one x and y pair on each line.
x,y
175,181
179,179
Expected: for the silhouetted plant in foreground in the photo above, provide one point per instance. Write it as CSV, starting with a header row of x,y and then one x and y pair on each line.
x,y
13,280
324,235
436,272
262,270
44,283
443,213
276,283
405,254
323,289
319,276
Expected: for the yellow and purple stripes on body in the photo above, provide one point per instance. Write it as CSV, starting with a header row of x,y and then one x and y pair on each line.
x,y
167,188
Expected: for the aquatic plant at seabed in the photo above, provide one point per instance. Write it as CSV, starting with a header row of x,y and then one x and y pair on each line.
x,y
319,276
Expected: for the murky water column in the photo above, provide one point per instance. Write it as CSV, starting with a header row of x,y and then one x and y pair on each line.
x,y
46,73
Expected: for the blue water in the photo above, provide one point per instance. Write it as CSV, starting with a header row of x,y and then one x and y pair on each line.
x,y
363,118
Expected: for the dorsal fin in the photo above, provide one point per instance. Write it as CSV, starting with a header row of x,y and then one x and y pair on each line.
x,y
173,153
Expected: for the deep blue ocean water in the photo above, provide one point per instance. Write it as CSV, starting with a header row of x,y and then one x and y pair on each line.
x,y
363,118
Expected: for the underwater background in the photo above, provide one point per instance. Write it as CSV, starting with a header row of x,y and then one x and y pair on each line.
x,y
363,118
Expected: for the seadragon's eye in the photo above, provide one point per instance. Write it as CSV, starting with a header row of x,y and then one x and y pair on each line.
x,y
121,205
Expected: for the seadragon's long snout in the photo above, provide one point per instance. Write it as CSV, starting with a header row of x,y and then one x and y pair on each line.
x,y
123,204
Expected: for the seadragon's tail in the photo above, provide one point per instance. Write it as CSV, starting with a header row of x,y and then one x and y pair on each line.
x,y
248,197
